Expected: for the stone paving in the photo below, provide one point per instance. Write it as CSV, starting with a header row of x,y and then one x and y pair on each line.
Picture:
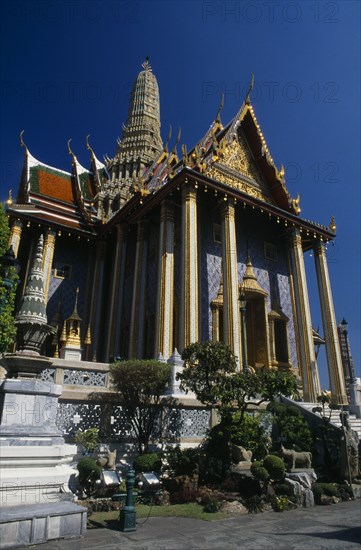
x,y
334,527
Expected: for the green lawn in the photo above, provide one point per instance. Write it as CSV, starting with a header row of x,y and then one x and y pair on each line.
x,y
191,510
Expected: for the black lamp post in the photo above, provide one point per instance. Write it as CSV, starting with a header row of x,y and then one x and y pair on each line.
x,y
243,332
7,261
344,324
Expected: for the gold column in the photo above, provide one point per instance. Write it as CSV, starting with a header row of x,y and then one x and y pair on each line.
x,y
272,340
333,353
48,254
189,327
303,325
231,307
139,293
15,236
96,297
165,293
116,291
215,323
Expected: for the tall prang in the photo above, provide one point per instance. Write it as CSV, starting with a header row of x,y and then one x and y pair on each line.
x,y
141,142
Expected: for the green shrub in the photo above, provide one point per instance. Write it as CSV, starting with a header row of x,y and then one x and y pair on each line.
x,y
254,504
89,439
182,462
327,489
275,467
88,470
260,473
250,434
147,462
283,489
212,506
345,492
292,410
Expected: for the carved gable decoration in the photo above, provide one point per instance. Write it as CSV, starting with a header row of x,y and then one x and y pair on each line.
x,y
236,167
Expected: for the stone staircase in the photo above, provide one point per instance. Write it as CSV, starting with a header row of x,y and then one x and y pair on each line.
x,y
334,415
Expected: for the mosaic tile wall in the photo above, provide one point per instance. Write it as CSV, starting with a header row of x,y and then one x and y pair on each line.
x,y
68,251
273,276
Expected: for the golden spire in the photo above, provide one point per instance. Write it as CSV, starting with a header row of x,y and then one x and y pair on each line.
x,y
63,333
249,283
248,96
332,225
88,339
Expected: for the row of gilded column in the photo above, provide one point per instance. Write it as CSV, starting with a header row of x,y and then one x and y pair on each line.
x,y
189,304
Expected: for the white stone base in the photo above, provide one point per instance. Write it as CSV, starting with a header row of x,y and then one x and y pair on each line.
x,y
37,523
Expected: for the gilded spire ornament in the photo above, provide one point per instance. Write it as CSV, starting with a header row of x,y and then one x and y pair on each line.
x,y
141,142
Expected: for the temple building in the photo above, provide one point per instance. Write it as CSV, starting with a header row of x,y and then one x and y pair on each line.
x,y
159,248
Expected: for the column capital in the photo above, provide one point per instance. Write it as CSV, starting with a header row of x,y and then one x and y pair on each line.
x,y
227,209
17,224
142,226
189,192
294,237
167,210
122,229
319,248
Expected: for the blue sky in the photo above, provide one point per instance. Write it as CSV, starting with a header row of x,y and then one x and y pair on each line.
x,y
67,69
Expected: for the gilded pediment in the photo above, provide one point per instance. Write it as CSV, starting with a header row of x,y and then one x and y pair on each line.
x,y
235,166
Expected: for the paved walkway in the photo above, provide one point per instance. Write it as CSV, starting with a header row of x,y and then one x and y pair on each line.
x,y
335,527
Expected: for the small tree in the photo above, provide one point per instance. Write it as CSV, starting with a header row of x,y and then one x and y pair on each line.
x,y
140,385
206,366
7,297
210,371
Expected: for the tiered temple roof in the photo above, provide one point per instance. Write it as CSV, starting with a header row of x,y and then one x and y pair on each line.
x,y
234,159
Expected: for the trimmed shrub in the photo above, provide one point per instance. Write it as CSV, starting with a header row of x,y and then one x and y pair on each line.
x,y
283,489
147,462
275,467
212,506
259,472
326,489
88,470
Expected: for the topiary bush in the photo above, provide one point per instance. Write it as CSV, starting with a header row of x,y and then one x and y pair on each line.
x,y
147,462
89,472
259,471
212,506
275,467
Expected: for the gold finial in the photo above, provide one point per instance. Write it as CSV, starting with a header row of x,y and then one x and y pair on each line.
x,y
63,333
281,173
69,149
174,151
88,339
248,97
88,144
22,143
10,198
184,154
218,117
146,65
332,224
168,139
